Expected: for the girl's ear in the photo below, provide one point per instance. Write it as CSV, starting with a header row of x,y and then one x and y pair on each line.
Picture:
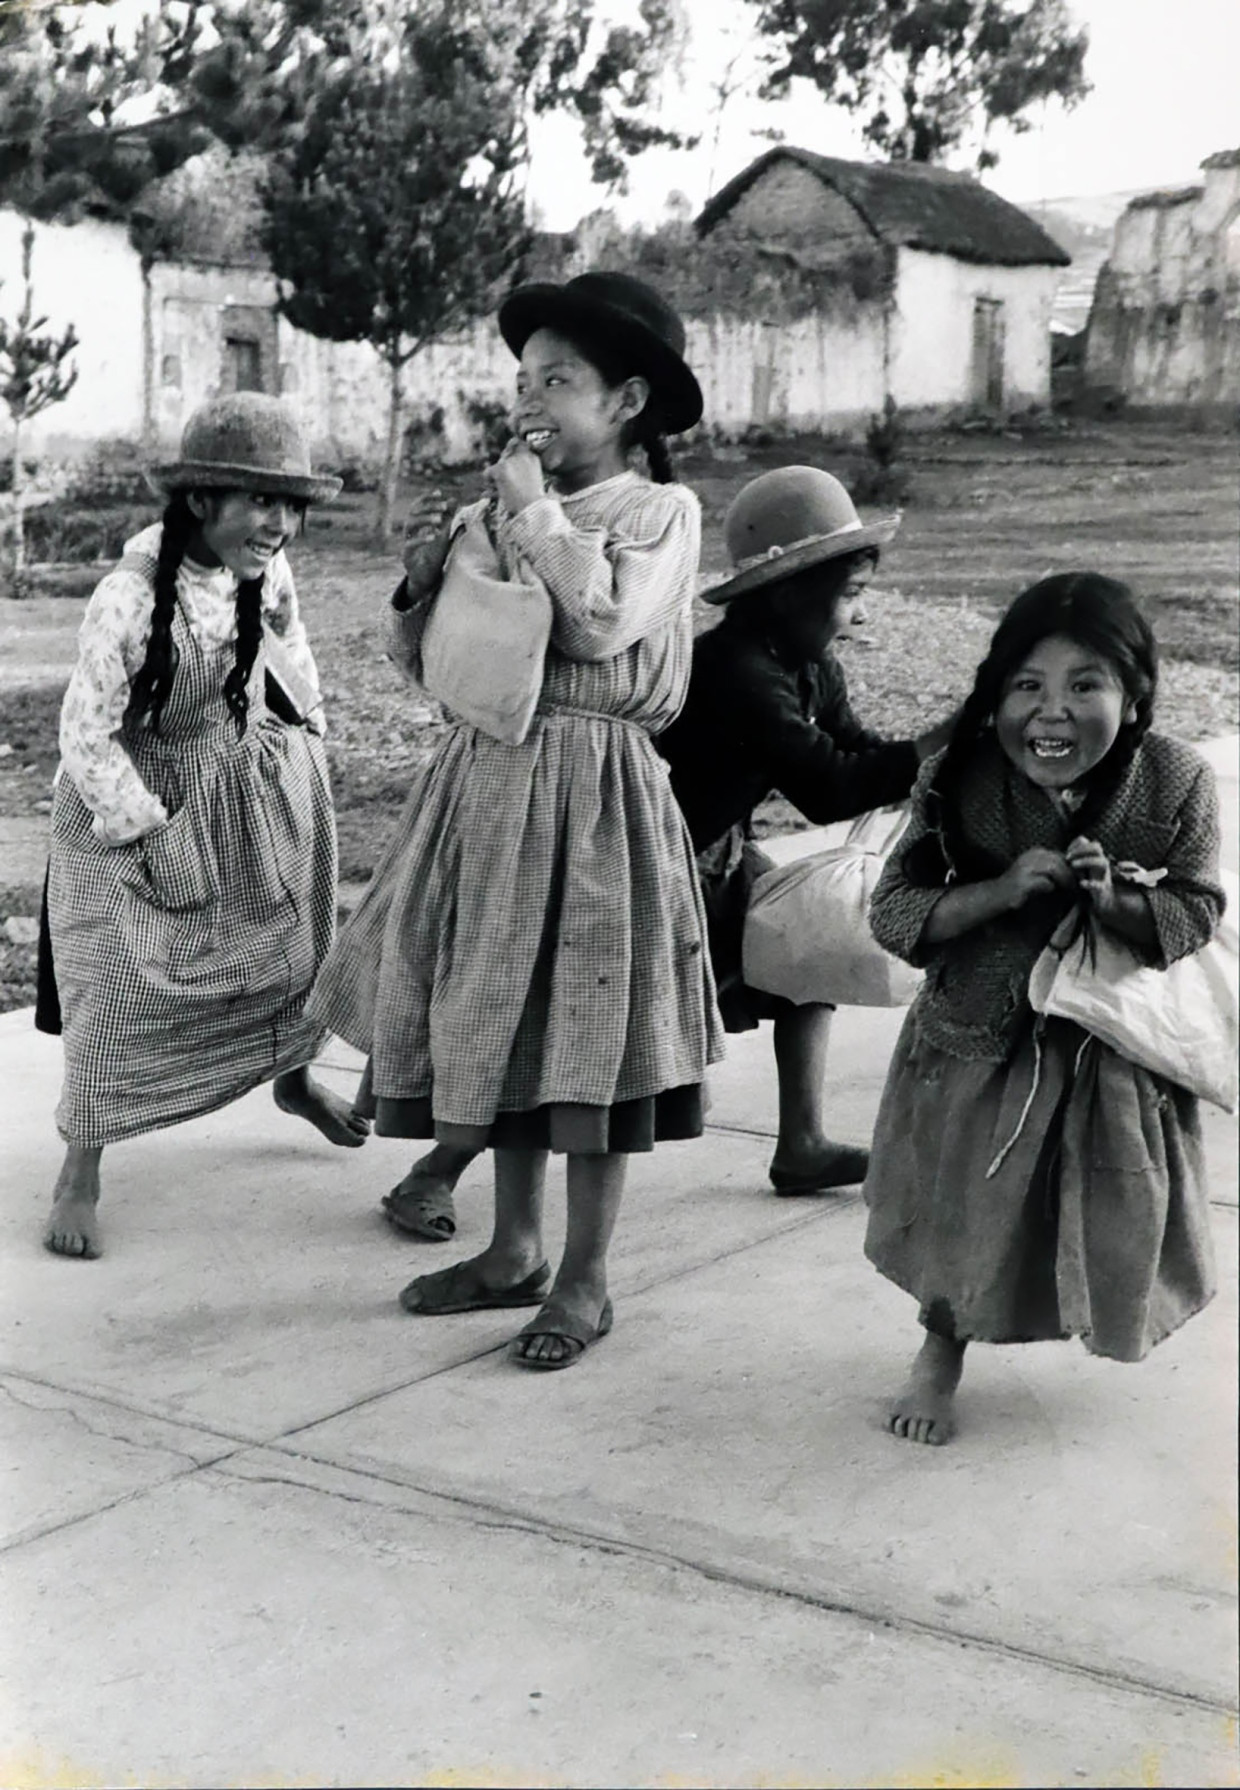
x,y
198,505
1130,714
632,398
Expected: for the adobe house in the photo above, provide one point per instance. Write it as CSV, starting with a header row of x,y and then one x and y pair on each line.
x,y
1164,327
951,286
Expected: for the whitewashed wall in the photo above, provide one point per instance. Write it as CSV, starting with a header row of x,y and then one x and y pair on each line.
x,y
820,372
86,275
932,335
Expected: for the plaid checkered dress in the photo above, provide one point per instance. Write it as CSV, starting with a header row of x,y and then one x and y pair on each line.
x,y
533,935
184,958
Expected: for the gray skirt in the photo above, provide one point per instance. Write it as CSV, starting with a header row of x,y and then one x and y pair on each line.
x,y
1059,1193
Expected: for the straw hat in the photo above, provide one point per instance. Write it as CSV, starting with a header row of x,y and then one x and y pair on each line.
x,y
245,441
786,520
616,308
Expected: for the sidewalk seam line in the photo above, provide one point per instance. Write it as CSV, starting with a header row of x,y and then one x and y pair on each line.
x,y
502,1517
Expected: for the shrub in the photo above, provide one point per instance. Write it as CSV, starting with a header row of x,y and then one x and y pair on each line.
x,y
30,467
423,444
111,472
64,531
883,477
489,419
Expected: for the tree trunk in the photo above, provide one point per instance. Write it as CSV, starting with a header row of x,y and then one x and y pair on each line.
x,y
391,465
19,532
148,361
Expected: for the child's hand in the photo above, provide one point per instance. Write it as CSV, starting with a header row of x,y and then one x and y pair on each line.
x,y
1036,872
426,542
1092,869
517,477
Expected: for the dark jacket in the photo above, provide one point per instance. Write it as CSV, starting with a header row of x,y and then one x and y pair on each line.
x,y
754,722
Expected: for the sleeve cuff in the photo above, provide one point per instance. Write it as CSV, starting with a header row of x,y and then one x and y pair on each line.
x,y
538,519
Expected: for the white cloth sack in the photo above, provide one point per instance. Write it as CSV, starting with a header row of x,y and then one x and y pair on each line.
x,y
485,644
1180,1023
807,929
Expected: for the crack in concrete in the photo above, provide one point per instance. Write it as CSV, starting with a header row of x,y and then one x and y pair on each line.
x,y
101,1434
491,1517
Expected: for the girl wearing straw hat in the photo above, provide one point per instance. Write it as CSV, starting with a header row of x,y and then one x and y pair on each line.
x,y
192,877
768,711
526,969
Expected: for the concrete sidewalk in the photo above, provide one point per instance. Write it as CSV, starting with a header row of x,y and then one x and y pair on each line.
x,y
259,1526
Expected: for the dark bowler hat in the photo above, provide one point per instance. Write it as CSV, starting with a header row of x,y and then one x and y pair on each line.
x,y
244,441
614,307
788,519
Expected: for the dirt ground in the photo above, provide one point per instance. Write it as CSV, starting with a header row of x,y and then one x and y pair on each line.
x,y
987,514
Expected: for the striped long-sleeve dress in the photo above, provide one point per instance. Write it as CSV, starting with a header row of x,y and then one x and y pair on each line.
x,y
527,966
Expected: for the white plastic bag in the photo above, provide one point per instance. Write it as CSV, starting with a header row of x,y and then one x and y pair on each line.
x,y
1180,1022
807,929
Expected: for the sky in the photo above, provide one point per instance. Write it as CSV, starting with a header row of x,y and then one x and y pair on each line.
x,y
1166,93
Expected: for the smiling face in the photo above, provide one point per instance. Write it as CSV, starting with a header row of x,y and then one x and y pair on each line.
x,y
242,530
568,414
1061,712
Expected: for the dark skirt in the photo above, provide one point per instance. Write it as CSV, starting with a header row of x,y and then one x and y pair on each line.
x,y
1060,1193
628,1127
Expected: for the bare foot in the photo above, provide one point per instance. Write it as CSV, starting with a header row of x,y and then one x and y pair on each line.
x,y
922,1410
297,1092
73,1227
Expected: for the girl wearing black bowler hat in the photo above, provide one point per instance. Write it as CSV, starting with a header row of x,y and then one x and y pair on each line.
x,y
527,969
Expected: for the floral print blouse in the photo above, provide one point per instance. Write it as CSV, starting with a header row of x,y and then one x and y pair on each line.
x,y
112,644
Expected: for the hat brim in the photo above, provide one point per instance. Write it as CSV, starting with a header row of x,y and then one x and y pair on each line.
x,y
812,552
672,383
210,475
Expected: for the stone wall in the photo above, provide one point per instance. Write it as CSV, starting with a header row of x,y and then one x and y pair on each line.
x,y
1165,323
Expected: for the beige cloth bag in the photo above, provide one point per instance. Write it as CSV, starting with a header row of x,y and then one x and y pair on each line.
x,y
485,644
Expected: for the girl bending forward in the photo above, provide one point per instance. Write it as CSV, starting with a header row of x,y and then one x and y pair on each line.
x,y
527,968
192,877
1026,1181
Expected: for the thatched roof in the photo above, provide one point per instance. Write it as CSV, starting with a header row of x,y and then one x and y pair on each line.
x,y
1223,158
1166,198
909,204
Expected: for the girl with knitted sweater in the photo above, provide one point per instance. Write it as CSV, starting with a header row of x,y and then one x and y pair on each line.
x,y
1026,1181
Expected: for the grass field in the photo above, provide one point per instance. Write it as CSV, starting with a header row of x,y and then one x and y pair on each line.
x,y
987,515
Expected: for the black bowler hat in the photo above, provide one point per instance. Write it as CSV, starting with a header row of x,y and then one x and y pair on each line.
x,y
619,309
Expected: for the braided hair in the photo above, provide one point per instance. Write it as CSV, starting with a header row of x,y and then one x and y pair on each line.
x,y
1097,612
153,683
646,432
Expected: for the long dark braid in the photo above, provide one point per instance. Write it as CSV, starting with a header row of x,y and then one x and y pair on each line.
x,y
153,684
1100,613
249,637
